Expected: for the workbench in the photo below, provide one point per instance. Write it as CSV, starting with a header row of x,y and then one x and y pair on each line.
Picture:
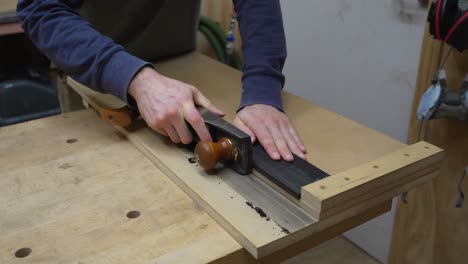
x,y
67,184
76,190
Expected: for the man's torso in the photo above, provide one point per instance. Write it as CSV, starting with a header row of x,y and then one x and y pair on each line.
x,y
149,29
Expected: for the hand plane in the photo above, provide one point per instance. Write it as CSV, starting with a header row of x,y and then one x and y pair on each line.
x,y
233,148
230,145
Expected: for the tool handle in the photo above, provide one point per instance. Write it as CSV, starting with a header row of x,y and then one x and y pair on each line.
x,y
209,153
120,117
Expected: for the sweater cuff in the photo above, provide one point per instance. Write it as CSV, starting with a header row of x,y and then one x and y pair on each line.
x,y
261,89
119,72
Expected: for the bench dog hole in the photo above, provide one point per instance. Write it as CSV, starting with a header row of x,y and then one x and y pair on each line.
x,y
23,252
72,140
133,214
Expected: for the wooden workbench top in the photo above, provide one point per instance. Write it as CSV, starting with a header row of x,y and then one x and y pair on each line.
x,y
67,183
66,186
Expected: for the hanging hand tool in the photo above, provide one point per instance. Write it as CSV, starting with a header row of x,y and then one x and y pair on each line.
x,y
440,102
448,23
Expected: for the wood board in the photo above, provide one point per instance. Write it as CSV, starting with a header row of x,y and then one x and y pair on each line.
x,y
226,201
387,176
429,229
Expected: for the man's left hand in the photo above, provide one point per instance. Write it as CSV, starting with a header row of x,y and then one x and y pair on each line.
x,y
272,129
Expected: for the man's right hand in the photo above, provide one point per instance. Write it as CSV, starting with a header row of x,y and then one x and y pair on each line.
x,y
165,104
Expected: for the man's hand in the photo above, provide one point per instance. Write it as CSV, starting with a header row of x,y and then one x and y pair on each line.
x,y
272,129
165,103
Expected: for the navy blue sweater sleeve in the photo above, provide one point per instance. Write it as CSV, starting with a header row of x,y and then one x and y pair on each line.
x,y
264,51
71,43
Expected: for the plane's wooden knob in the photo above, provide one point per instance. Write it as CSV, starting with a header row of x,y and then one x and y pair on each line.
x,y
209,153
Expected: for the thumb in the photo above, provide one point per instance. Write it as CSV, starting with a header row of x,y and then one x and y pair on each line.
x,y
239,124
201,100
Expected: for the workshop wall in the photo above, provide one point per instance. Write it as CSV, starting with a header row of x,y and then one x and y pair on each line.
x,y
358,58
